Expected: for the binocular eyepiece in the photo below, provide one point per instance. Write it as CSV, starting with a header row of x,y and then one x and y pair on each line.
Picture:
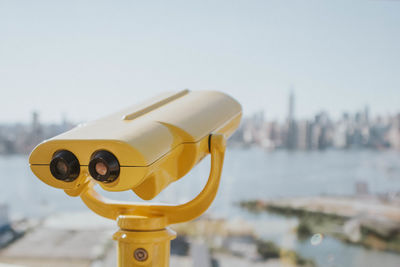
x,y
103,166
65,166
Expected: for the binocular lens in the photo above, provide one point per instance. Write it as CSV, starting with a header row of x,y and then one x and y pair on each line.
x,y
61,167
101,168
65,166
104,167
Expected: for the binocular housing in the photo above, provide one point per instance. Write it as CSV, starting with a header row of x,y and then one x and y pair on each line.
x,y
142,148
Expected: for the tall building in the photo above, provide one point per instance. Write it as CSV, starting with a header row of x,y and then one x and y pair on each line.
x,y
291,106
291,135
304,135
366,115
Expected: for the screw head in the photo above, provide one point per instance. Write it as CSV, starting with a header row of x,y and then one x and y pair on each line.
x,y
141,254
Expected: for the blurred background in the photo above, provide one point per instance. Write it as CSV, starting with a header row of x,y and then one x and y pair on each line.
x,y
311,178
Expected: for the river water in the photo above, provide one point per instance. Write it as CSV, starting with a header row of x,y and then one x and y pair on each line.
x,y
248,174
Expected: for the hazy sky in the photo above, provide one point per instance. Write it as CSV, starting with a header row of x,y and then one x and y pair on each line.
x,y
87,58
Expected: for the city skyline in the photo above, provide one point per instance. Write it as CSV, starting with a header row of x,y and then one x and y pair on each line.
x,y
353,130
361,129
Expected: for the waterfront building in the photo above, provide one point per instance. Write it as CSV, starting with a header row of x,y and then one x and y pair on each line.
x,y
303,135
291,132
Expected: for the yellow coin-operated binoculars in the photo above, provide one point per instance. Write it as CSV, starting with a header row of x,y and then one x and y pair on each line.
x,y
144,149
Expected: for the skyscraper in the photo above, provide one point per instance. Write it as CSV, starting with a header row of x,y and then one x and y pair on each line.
x,y
291,135
291,106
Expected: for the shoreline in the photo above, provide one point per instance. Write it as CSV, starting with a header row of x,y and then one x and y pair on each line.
x,y
360,220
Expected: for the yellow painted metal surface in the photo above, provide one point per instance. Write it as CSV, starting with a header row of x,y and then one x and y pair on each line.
x,y
156,143
170,214
144,225
155,243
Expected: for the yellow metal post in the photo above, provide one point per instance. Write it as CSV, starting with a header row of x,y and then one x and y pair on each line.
x,y
140,247
144,237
